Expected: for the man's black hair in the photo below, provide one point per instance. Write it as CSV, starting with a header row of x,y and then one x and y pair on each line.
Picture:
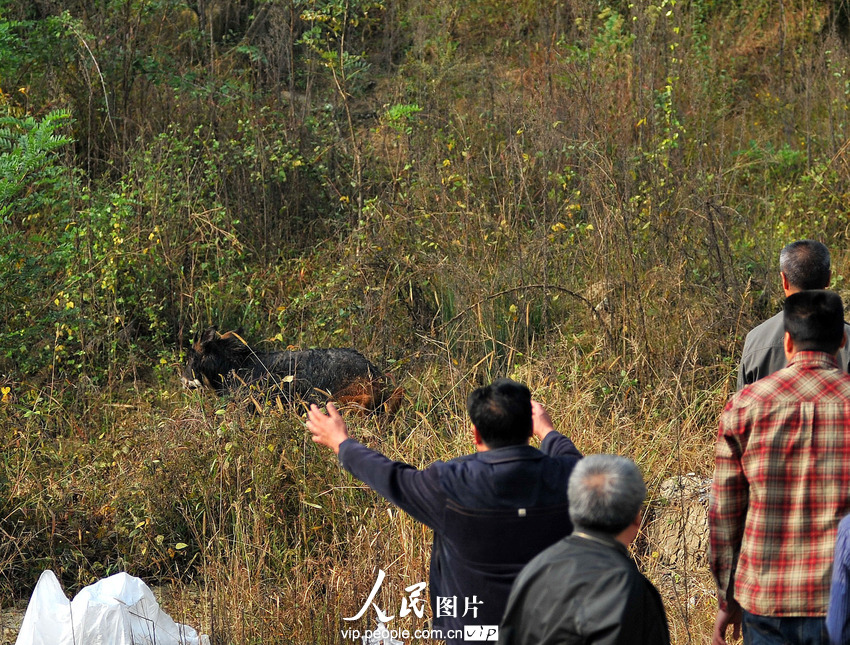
x,y
815,320
806,264
501,412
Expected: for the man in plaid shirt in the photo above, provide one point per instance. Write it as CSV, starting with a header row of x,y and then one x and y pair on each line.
x,y
782,484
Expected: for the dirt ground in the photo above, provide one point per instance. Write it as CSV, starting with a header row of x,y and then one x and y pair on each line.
x,y
10,623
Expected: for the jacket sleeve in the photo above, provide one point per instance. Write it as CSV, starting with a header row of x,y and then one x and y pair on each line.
x,y
742,379
416,492
745,370
557,445
838,614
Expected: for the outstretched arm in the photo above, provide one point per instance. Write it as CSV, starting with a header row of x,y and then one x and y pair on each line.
x,y
327,429
415,491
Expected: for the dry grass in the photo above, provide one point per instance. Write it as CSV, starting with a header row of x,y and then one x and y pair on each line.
x,y
281,542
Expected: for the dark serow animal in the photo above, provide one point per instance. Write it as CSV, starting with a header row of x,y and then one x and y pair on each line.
x,y
225,362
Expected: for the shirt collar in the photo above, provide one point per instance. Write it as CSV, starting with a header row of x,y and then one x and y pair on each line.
x,y
598,537
509,453
810,359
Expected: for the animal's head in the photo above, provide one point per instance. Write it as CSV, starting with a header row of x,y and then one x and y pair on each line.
x,y
212,358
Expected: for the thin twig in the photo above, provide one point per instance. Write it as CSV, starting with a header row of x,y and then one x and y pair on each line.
x,y
100,75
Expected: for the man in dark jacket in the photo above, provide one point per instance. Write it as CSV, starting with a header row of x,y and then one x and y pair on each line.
x,y
585,590
491,511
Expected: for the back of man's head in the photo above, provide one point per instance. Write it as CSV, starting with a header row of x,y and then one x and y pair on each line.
x,y
806,264
501,412
605,493
815,320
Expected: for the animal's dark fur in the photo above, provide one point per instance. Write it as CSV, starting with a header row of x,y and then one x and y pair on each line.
x,y
226,361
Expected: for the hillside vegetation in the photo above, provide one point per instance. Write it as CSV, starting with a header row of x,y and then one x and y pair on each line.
x,y
587,196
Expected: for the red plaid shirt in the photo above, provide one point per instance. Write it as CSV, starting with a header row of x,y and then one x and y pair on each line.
x,y
781,485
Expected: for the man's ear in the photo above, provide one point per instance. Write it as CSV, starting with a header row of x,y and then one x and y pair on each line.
x,y
788,345
785,284
476,437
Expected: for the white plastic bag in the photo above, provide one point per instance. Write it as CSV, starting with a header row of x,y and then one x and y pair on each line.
x,y
118,610
48,616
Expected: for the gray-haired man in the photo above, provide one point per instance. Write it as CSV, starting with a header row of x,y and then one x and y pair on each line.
x,y
585,588
803,265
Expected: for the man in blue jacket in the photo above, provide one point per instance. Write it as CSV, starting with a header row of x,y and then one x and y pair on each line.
x,y
491,511
838,612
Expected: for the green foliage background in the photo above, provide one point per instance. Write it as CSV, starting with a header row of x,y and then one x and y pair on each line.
x,y
587,195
